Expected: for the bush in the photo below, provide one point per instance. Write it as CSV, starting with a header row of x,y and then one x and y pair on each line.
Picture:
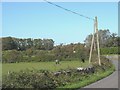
x,y
41,79
29,79
12,56
105,64
110,50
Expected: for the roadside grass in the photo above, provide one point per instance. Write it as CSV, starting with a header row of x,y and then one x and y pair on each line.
x,y
91,79
16,67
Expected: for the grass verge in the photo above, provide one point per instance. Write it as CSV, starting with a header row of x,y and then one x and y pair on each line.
x,y
91,79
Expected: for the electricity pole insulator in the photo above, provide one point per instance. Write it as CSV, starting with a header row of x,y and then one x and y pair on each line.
x,y
93,41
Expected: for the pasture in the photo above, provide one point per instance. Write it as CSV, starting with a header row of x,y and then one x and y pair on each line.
x,y
16,67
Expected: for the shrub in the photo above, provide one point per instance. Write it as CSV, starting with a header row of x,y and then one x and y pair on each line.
x,y
110,50
29,79
106,64
12,56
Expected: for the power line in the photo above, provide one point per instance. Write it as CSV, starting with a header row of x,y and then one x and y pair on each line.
x,y
68,10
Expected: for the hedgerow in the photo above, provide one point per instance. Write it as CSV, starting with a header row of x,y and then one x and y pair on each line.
x,y
47,79
110,50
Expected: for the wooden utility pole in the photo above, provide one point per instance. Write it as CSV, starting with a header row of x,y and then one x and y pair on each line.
x,y
98,47
91,49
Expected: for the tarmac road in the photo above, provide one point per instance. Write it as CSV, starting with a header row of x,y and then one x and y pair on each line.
x,y
108,82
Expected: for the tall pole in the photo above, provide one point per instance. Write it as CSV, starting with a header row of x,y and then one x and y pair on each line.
x,y
98,47
93,42
91,49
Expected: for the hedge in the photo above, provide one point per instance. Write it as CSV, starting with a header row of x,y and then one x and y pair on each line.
x,y
110,50
47,79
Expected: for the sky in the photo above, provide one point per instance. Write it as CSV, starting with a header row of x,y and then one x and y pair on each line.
x,y
43,20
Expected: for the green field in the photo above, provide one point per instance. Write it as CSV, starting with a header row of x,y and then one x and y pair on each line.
x,y
6,67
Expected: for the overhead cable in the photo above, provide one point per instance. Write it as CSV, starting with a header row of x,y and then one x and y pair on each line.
x,y
69,10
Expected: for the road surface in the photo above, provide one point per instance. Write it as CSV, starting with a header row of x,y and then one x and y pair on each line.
x,y
108,82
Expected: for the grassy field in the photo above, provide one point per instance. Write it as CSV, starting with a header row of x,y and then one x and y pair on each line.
x,y
41,65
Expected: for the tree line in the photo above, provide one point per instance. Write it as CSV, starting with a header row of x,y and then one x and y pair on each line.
x,y
10,43
28,50
61,52
106,38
